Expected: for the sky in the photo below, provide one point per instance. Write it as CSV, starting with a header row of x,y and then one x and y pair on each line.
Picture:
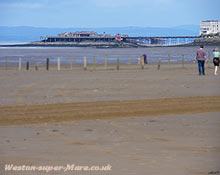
x,y
107,13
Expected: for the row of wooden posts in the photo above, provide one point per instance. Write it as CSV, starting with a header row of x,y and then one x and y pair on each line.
x,y
71,65
85,63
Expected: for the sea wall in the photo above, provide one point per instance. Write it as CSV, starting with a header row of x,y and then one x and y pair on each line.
x,y
207,41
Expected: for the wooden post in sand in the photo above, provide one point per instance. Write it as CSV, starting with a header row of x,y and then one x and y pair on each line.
x,y
27,65
84,60
47,66
208,59
142,62
58,63
117,63
71,62
182,60
169,60
105,61
36,66
94,66
19,64
129,60
159,62
6,63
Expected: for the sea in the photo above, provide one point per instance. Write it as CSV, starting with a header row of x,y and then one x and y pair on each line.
x,y
40,54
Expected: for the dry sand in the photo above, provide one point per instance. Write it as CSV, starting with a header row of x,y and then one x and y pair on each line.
x,y
155,121
129,83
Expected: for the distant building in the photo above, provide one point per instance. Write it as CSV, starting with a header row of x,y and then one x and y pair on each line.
x,y
85,34
209,27
78,34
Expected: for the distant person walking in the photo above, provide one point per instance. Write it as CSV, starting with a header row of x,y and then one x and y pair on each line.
x,y
201,59
145,58
216,56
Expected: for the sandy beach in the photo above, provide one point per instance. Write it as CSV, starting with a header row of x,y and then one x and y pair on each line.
x,y
109,87
140,121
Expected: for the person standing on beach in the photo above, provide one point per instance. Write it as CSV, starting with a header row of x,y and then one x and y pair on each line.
x,y
216,56
201,59
145,58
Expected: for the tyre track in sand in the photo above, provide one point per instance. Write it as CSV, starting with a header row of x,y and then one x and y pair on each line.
x,y
27,114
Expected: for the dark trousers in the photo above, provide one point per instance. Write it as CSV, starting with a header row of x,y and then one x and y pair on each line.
x,y
201,64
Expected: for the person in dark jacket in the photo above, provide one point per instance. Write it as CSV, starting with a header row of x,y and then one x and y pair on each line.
x,y
145,58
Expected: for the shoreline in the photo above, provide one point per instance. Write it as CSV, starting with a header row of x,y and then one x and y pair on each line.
x,y
76,44
197,42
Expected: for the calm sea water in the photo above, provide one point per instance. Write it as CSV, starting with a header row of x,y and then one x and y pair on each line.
x,y
39,54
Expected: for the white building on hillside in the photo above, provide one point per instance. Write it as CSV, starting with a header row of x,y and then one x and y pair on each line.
x,y
209,27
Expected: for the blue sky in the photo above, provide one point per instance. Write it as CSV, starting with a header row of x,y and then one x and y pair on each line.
x,y
107,13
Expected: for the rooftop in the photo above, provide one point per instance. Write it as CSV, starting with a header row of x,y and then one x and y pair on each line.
x,y
210,21
84,32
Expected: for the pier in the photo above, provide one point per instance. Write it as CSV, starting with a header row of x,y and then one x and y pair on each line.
x,y
93,37
163,40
